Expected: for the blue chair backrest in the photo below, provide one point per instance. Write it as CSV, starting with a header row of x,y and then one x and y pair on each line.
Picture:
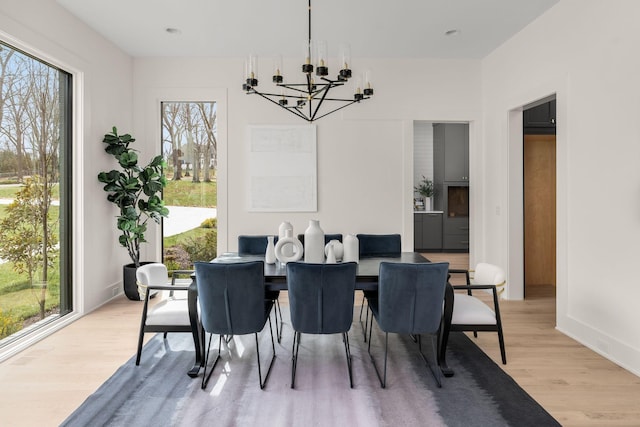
x,y
321,296
327,238
410,296
379,245
254,244
231,297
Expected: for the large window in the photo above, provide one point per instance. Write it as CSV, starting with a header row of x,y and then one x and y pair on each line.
x,y
190,147
35,188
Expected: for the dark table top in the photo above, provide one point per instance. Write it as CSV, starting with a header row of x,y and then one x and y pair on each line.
x,y
366,275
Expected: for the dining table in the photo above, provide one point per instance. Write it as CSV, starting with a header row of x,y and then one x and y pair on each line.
x,y
275,279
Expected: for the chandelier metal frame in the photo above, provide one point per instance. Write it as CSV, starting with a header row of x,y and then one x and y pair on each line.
x,y
309,96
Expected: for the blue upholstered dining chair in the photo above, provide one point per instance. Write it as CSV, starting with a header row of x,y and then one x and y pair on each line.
x,y
327,238
231,297
410,300
257,245
379,245
376,245
321,302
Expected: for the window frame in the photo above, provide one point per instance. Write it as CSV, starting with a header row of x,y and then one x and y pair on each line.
x,y
70,185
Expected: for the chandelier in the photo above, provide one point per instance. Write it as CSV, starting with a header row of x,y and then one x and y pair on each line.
x,y
305,99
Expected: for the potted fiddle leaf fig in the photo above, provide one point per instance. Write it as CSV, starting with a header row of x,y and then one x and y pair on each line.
x,y
136,191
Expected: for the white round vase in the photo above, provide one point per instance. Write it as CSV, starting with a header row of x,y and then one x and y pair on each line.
x,y
282,232
288,248
338,249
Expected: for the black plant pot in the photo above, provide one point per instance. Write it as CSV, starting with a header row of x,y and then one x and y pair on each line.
x,y
130,282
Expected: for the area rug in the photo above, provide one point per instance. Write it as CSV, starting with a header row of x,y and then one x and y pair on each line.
x,y
158,392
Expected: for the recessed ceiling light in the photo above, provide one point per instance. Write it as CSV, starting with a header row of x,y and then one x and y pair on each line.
x,y
171,30
452,33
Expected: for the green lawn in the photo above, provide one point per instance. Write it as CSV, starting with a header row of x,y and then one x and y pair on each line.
x,y
184,238
188,193
17,297
9,191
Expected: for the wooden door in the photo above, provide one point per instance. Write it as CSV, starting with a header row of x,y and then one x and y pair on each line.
x,y
539,210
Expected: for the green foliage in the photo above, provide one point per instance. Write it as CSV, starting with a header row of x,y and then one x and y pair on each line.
x,y
202,248
127,189
177,258
22,238
209,223
193,245
425,187
9,324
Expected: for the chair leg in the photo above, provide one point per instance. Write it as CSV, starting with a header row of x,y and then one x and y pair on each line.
x,y
294,356
276,310
435,371
364,326
366,317
347,349
383,378
205,377
503,353
263,382
139,353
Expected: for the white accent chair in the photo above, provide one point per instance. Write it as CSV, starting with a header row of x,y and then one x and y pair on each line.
x,y
172,313
471,314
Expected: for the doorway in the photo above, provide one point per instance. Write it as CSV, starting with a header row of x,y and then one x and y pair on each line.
x,y
539,182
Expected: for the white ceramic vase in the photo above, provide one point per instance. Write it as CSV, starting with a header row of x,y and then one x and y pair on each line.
x,y
282,232
331,255
270,254
351,248
288,245
314,243
337,247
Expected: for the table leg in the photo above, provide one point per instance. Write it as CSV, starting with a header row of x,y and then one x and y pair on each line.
x,y
192,301
444,331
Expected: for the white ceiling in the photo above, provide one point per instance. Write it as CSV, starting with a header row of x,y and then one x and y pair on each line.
x,y
373,28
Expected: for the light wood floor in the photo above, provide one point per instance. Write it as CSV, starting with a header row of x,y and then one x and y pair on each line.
x,y
42,385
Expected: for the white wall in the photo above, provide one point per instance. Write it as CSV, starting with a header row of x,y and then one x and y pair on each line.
x,y
422,151
365,166
587,53
103,96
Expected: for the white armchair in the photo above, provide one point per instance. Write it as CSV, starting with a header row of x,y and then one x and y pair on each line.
x,y
169,315
472,314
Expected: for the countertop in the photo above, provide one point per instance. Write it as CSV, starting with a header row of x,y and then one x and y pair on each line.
x,y
432,212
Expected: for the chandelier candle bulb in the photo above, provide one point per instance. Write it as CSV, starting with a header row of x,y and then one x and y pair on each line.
x,y
307,66
283,101
277,67
322,69
252,71
357,94
345,59
368,89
